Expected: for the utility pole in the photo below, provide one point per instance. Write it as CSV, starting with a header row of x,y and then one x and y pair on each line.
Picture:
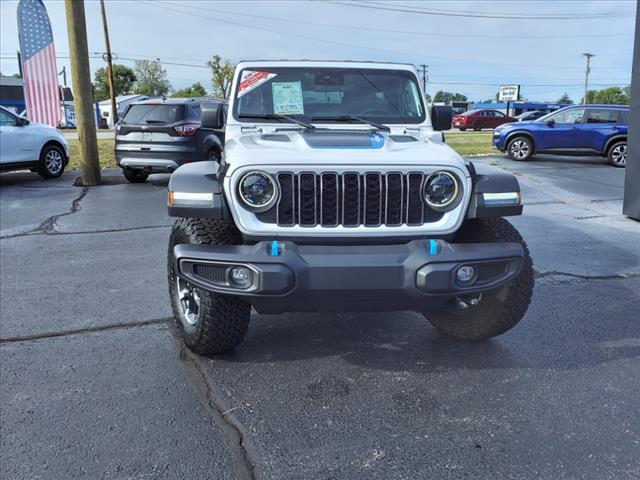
x,y
586,76
424,77
107,57
64,76
83,97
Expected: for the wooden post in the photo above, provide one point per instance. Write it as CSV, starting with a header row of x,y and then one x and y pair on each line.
x,y
83,96
631,206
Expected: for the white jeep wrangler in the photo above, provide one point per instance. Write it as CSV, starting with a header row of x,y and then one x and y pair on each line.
x,y
336,191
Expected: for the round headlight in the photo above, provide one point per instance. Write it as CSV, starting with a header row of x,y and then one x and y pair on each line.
x,y
441,191
258,190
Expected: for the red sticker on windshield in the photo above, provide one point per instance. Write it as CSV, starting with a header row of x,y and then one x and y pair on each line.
x,y
251,80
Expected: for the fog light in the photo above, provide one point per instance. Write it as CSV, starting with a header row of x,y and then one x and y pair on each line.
x,y
241,277
465,275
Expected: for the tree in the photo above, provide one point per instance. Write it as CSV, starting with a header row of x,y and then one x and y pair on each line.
x,y
627,91
221,76
123,81
151,78
609,96
565,98
195,90
448,97
427,98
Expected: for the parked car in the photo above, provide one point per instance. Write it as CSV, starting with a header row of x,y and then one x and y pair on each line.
x,y
532,115
351,204
575,130
479,119
157,136
23,144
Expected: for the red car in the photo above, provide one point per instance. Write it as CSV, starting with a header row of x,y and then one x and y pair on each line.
x,y
479,119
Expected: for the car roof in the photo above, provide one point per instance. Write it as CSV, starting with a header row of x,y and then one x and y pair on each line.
x,y
178,101
600,105
326,63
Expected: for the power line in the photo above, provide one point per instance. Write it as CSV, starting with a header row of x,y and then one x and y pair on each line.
x,y
424,11
344,44
386,30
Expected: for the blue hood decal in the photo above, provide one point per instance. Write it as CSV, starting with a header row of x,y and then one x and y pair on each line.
x,y
343,139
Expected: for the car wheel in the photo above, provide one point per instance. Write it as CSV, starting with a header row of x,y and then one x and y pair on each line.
x,y
617,154
520,149
135,176
213,155
477,126
462,129
485,315
51,162
208,322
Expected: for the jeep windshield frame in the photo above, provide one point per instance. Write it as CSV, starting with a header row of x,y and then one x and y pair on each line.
x,y
308,93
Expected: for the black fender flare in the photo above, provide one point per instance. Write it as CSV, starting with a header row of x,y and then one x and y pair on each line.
x,y
612,140
489,179
199,177
520,133
211,141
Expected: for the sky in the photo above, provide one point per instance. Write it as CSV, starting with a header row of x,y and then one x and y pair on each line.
x,y
465,49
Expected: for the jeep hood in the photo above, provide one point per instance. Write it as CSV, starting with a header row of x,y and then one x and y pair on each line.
x,y
337,147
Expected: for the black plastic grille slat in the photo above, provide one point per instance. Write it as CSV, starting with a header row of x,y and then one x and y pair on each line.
x,y
372,199
286,205
329,199
211,272
350,199
307,201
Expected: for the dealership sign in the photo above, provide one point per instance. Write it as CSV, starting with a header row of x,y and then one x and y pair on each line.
x,y
509,93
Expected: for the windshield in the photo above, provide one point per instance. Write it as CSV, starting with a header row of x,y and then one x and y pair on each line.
x,y
323,94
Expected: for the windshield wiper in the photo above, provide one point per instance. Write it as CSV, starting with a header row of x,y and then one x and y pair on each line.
x,y
275,116
352,118
154,121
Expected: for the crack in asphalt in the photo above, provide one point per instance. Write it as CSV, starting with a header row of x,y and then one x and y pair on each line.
x,y
243,456
100,328
614,276
35,232
47,227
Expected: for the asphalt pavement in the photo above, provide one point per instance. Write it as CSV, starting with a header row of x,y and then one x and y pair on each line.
x,y
94,382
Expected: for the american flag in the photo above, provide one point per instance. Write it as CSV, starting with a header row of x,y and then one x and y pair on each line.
x,y
41,88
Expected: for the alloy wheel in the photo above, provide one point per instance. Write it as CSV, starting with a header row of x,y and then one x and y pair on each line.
x,y
519,149
54,162
189,300
619,155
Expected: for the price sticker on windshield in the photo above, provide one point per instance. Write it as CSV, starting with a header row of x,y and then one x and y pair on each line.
x,y
287,98
251,80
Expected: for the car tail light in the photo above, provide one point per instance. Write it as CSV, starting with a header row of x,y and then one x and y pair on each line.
x,y
187,129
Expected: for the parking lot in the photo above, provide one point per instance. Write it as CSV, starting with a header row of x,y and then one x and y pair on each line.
x,y
97,385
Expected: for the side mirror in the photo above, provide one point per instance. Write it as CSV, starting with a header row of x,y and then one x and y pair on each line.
x,y
212,115
441,116
550,123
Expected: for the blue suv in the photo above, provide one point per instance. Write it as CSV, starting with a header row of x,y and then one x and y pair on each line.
x,y
575,130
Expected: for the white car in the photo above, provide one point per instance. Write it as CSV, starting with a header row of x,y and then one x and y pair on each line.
x,y
38,147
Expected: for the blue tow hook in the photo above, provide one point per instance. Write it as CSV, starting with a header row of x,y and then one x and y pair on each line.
x,y
433,247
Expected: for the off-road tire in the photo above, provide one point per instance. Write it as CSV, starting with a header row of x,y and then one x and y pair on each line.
x,y
498,310
48,168
135,176
223,320
618,148
525,146
477,126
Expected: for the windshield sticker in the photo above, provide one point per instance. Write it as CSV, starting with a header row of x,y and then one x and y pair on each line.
x,y
287,98
251,80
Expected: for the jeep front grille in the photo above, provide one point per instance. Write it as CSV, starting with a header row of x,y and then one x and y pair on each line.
x,y
350,199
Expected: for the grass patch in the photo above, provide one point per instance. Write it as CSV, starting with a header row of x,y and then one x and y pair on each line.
x,y
467,143
471,143
105,151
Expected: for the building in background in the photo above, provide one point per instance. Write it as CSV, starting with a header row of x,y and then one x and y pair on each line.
x,y
516,108
122,103
12,97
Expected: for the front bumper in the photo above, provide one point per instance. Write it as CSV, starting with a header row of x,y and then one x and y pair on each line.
x,y
287,277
